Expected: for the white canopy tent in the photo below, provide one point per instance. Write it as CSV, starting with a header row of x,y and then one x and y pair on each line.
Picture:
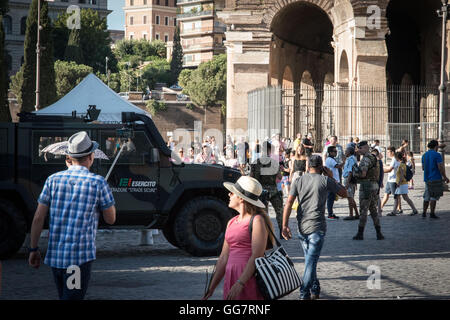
x,y
92,91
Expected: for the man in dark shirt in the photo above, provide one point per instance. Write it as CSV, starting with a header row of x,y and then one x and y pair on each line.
x,y
266,170
434,172
308,145
311,189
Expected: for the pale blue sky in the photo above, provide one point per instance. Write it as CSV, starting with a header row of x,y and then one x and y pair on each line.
x,y
116,19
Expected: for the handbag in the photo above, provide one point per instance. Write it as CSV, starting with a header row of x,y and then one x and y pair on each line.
x,y
275,274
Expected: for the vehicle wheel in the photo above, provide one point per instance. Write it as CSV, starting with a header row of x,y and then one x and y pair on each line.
x,y
12,229
200,226
169,234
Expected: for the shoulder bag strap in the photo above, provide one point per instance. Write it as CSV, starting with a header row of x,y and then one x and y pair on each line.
x,y
250,228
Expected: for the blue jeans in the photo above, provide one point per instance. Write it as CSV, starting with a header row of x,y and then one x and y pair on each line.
x,y
312,245
331,197
61,276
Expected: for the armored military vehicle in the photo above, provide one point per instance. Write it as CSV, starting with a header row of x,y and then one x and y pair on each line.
x,y
186,201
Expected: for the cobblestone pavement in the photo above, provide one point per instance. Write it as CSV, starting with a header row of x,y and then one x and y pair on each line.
x,y
413,262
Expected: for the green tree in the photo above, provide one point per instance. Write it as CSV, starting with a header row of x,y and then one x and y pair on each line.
x,y
16,85
47,71
184,78
142,49
207,84
176,63
73,49
114,80
95,41
123,48
154,106
157,71
126,80
5,114
159,48
69,75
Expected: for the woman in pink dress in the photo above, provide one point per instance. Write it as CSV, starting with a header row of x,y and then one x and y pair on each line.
x,y
237,259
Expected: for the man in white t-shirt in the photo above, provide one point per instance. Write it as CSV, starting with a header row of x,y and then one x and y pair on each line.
x,y
376,145
392,176
332,164
339,157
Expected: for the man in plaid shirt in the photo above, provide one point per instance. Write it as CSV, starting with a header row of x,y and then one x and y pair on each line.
x,y
73,198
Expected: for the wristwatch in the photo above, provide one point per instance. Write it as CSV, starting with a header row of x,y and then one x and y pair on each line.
x,y
33,249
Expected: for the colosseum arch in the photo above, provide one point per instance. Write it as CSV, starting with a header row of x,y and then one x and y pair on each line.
x,y
344,76
414,58
342,11
272,11
302,33
413,41
288,77
265,36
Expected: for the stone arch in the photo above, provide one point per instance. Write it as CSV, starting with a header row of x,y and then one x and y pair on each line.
x,y
271,12
306,79
342,12
307,112
328,79
407,80
302,36
287,81
413,41
344,71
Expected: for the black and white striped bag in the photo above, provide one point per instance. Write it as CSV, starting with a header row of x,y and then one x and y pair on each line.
x,y
275,273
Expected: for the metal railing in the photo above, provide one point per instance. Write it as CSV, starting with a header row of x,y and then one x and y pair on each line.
x,y
388,114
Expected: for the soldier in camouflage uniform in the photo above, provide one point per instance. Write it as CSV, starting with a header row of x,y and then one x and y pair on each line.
x,y
367,174
266,170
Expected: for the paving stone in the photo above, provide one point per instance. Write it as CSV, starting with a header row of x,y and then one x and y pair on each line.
x,y
413,262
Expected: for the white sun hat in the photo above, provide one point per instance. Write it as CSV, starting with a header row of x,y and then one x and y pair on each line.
x,y
247,188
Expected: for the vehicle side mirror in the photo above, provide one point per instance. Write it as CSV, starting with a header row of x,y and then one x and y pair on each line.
x,y
154,155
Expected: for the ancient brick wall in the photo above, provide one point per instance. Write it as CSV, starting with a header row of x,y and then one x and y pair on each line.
x,y
178,116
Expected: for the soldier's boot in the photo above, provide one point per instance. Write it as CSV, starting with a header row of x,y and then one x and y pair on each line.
x,y
379,234
360,234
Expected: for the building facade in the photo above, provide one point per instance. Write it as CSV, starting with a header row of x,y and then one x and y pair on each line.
x,y
337,43
201,33
116,35
15,20
150,19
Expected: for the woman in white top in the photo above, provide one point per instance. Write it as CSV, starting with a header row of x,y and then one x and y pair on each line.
x,y
402,185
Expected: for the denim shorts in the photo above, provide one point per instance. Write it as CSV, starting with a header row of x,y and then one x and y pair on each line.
x,y
390,188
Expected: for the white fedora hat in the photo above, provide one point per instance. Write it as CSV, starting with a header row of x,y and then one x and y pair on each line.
x,y
81,145
247,188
